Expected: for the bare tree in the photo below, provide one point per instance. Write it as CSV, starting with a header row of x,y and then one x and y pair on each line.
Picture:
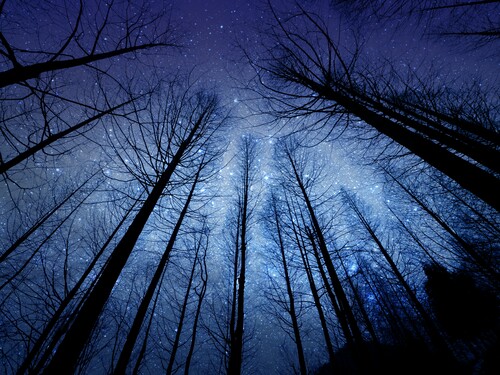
x,y
198,112
315,291
200,245
434,333
50,329
344,313
18,270
307,73
285,301
52,138
200,291
119,29
466,249
63,76
244,211
140,316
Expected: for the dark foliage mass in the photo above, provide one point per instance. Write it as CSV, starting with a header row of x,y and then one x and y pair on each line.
x,y
463,309
354,228
413,356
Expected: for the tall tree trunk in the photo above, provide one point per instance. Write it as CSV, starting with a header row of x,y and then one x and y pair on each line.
x,y
332,273
182,316
291,299
65,303
142,351
434,333
66,356
236,352
314,291
341,316
471,177
435,131
201,296
361,305
236,355
234,291
126,352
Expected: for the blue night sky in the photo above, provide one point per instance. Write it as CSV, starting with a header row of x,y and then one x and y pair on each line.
x,y
60,206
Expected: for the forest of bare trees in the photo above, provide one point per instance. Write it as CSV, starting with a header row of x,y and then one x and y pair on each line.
x,y
145,230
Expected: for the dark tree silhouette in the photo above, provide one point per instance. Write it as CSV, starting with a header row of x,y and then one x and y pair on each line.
x,y
487,266
316,295
131,38
42,219
52,138
200,245
244,211
286,301
199,111
65,82
122,191
438,340
126,352
19,269
344,312
48,330
302,76
200,291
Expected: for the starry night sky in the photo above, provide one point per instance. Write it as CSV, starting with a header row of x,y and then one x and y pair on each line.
x,y
213,35
217,31
214,28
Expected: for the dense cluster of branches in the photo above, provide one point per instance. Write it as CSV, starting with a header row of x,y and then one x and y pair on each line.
x,y
92,166
313,75
358,268
308,73
473,23
116,259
